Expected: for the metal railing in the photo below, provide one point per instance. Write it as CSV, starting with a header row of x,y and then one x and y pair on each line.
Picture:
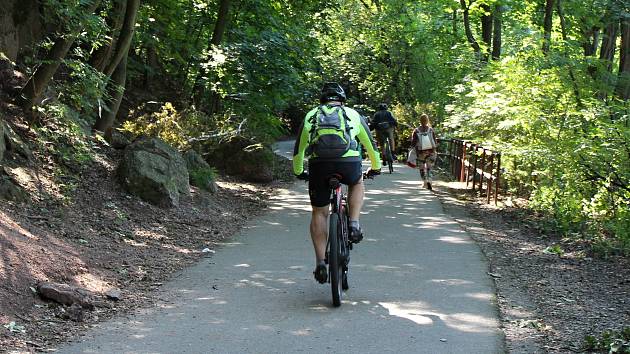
x,y
471,162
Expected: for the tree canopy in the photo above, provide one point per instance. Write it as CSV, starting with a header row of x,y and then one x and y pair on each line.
x,y
546,82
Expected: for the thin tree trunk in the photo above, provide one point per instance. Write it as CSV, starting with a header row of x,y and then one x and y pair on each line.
x,y
32,91
126,35
547,24
607,52
498,24
590,41
469,34
102,55
623,79
454,19
486,29
215,40
117,89
563,28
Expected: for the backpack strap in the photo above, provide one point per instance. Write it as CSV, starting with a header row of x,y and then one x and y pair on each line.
x,y
347,120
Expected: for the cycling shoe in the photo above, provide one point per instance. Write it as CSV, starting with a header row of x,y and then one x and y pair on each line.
x,y
321,273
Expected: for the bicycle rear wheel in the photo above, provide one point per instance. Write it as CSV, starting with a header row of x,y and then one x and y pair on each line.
x,y
388,156
335,263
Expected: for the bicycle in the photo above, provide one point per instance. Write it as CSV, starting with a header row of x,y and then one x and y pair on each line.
x,y
338,245
384,138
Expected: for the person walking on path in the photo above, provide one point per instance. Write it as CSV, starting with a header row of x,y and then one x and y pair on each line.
x,y
424,140
328,137
384,124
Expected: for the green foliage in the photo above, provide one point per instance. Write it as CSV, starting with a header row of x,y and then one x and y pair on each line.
x,y
202,177
408,117
64,136
609,342
555,249
167,124
84,87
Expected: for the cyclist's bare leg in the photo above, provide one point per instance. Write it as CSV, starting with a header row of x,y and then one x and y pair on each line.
x,y
355,200
319,231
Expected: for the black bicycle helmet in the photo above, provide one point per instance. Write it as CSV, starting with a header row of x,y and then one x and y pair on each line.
x,y
382,107
332,91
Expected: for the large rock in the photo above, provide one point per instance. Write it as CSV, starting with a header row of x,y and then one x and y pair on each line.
x,y
154,171
200,173
239,156
3,144
10,190
10,143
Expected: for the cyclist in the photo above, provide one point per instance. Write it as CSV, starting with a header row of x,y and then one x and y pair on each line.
x,y
426,143
384,124
348,166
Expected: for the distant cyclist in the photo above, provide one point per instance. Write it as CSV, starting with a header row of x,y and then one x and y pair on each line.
x,y
384,124
328,138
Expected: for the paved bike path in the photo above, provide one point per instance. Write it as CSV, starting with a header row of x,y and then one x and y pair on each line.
x,y
418,284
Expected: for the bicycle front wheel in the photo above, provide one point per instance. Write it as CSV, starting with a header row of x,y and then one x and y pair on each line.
x,y
335,264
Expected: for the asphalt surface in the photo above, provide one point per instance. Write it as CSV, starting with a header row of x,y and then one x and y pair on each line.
x,y
418,284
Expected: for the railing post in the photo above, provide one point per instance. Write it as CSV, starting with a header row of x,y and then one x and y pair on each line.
x,y
483,169
496,186
467,173
489,192
458,155
474,175
451,155
462,170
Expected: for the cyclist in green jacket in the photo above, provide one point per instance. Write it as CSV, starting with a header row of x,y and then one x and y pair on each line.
x,y
322,164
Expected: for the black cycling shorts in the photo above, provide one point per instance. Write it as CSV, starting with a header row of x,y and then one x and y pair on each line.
x,y
320,171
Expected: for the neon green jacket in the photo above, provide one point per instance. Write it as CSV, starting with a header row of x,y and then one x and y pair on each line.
x,y
358,129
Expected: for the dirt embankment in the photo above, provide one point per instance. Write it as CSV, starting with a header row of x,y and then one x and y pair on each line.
x,y
86,231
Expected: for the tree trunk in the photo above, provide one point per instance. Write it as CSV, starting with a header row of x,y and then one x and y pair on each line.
x,y
563,28
496,40
623,79
215,40
607,52
590,41
32,91
547,24
106,120
486,28
103,54
222,18
454,19
469,34
126,35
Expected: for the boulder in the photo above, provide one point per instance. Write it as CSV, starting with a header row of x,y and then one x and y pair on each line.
x,y
10,142
66,294
154,171
117,139
242,157
3,144
200,173
9,190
